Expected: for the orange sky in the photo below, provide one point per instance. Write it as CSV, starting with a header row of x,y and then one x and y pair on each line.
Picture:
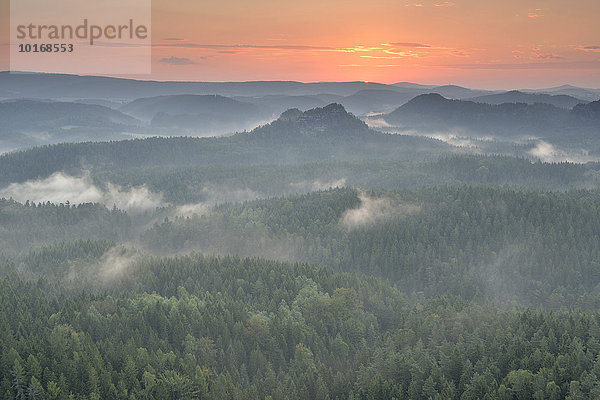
x,y
477,43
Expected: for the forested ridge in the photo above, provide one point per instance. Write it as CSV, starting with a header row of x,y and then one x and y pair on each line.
x,y
25,225
312,258
92,319
475,242
264,144
202,327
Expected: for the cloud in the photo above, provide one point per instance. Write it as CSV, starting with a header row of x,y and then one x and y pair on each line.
x,y
241,46
409,44
61,188
225,194
547,152
530,65
189,210
537,13
588,48
357,49
460,53
316,185
417,49
548,56
455,140
383,51
215,195
237,48
177,61
175,39
375,210
391,57
135,199
377,122
438,4
536,53
455,137
113,264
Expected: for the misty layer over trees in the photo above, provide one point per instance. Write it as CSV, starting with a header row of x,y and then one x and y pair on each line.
x,y
440,243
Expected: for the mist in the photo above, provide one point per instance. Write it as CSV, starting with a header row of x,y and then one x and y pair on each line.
x,y
114,264
547,152
318,184
375,210
62,188
213,195
454,137
225,194
373,122
499,288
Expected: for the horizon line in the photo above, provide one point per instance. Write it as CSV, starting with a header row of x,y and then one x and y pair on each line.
x,y
368,82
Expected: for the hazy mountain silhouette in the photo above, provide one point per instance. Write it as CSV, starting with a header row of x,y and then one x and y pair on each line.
x,y
331,120
457,92
590,110
274,105
30,122
434,112
515,96
411,85
218,108
62,86
376,100
195,114
71,87
296,137
570,90
187,104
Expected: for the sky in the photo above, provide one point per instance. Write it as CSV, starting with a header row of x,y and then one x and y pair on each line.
x,y
476,43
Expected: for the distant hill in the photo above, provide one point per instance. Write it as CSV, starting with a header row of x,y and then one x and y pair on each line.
x,y
327,133
33,113
195,114
515,96
331,120
569,90
274,105
410,85
101,102
458,92
376,100
434,112
71,87
30,123
590,111
187,104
